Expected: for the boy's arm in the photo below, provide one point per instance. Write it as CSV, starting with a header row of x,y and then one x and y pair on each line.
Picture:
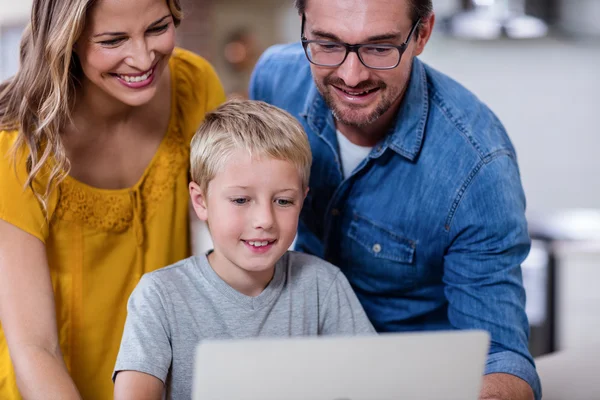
x,y
133,385
145,355
342,313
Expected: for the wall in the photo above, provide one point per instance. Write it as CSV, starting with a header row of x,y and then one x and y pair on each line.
x,y
14,15
14,11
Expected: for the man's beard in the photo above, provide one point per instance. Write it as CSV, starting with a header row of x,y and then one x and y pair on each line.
x,y
352,115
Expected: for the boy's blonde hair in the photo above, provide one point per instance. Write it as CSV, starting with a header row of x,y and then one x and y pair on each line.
x,y
255,126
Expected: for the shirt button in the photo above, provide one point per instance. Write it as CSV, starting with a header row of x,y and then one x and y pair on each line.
x,y
376,247
335,212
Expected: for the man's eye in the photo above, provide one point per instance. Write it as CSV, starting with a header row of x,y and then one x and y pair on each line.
x,y
330,47
380,51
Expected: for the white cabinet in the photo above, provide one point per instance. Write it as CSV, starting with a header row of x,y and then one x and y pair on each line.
x,y
577,294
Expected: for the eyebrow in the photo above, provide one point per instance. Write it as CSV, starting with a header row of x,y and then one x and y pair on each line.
x,y
288,190
158,21
383,36
278,191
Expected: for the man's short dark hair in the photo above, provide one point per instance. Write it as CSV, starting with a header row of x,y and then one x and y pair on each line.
x,y
418,8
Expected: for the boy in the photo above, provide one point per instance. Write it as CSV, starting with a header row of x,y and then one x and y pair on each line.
x,y
250,164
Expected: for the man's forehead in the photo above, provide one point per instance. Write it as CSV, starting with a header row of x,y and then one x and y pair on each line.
x,y
368,8
358,18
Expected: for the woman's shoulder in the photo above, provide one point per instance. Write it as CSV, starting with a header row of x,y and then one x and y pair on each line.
x,y
8,139
195,75
190,61
8,163
18,204
197,87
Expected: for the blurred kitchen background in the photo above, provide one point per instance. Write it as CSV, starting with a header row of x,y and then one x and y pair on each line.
x,y
536,63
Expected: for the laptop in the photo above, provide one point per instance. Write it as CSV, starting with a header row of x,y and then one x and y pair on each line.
x,y
443,365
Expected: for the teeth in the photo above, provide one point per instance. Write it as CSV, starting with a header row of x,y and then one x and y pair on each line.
x,y
258,244
132,79
358,93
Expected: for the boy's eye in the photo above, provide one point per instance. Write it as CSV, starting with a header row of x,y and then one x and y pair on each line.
x,y
284,202
239,201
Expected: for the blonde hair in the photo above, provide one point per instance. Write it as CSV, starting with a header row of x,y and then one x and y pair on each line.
x,y
38,99
255,126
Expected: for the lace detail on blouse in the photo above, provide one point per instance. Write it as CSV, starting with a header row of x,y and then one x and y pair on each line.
x,y
118,210
114,212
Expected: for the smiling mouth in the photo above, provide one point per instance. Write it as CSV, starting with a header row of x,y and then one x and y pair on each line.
x,y
259,243
356,93
135,78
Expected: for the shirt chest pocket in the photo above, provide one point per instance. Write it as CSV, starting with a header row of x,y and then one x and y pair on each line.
x,y
378,258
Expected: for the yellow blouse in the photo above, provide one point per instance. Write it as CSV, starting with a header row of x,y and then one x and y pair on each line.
x,y
99,242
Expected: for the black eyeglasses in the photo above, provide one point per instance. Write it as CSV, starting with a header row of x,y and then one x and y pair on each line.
x,y
326,53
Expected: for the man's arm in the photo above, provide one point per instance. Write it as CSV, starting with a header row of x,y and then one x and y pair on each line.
x,y
488,241
500,386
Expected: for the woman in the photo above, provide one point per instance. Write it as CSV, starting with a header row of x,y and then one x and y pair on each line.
x,y
94,144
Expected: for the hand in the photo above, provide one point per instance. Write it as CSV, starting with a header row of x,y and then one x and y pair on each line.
x,y
505,387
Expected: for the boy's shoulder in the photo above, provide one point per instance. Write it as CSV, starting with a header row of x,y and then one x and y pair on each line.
x,y
178,275
306,266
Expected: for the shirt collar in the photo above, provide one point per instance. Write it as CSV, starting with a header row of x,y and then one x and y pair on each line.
x,y
407,133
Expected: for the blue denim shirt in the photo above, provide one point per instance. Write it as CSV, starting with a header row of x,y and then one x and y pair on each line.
x,y
430,228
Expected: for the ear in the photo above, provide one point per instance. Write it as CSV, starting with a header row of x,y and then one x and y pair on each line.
x,y
425,30
305,193
198,201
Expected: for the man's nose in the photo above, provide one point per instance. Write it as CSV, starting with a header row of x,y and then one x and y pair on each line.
x,y
352,71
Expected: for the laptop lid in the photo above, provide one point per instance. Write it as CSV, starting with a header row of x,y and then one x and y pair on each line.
x,y
426,365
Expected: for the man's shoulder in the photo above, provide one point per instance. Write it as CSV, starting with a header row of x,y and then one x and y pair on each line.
x,y
468,116
282,77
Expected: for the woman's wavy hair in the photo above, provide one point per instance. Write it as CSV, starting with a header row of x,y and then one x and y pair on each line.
x,y
37,101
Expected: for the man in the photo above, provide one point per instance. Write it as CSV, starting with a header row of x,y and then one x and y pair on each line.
x,y
415,189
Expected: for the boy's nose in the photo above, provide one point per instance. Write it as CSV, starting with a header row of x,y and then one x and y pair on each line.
x,y
262,217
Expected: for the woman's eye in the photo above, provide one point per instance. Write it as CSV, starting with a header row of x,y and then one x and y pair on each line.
x,y
112,42
158,29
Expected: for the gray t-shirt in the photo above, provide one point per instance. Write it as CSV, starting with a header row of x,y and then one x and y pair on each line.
x,y
172,309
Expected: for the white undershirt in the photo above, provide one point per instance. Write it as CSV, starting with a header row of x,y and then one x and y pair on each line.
x,y
350,154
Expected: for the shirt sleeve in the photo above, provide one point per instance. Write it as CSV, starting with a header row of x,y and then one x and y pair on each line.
x,y
482,268
18,204
341,313
145,345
